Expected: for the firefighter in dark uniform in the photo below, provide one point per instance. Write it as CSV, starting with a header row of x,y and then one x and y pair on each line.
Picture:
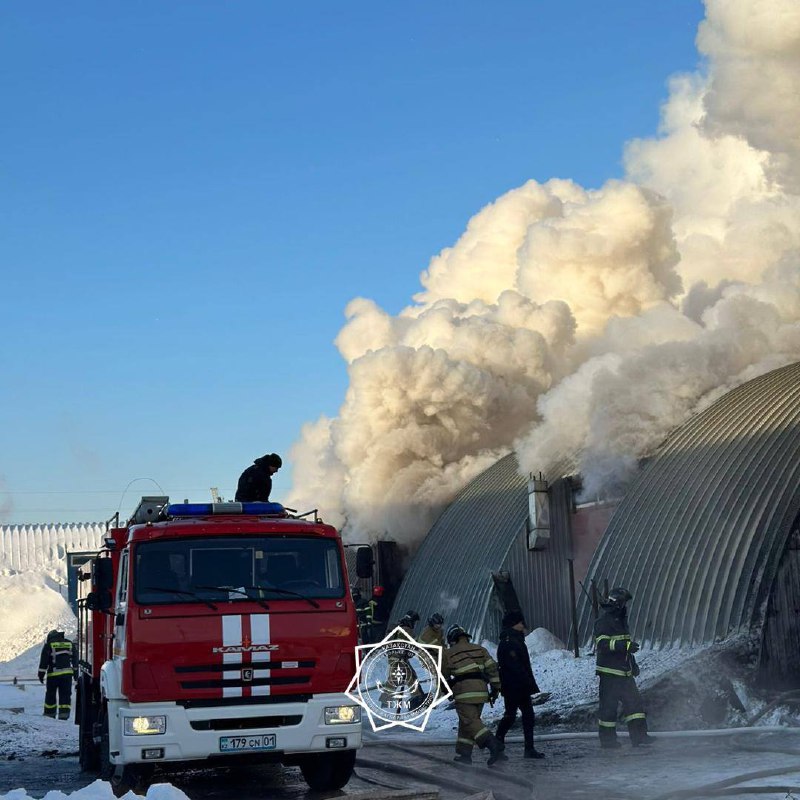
x,y
469,668
516,676
57,663
617,668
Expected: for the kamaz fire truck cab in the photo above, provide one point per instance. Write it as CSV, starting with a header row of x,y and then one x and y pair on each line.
x,y
217,633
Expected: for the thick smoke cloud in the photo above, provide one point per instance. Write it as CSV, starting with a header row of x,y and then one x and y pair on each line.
x,y
579,327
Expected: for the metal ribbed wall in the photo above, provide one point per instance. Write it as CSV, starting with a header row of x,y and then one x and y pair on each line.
x,y
44,547
484,530
699,536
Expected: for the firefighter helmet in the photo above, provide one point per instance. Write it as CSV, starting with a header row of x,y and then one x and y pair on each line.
x,y
407,622
454,633
617,598
377,591
436,619
413,616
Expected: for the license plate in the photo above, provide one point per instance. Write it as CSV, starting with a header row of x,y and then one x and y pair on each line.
x,y
236,744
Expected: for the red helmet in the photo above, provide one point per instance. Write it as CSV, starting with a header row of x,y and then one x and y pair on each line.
x,y
377,591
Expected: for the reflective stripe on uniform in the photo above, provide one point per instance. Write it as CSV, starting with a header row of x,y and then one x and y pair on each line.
x,y
620,672
473,667
604,724
480,697
614,640
462,740
637,715
58,672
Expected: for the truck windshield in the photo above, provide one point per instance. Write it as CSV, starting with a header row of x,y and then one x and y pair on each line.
x,y
235,568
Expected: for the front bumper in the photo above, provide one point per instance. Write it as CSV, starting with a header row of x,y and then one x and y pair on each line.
x,y
183,742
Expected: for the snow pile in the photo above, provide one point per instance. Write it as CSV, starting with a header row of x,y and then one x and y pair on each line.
x,y
540,641
30,606
100,790
585,324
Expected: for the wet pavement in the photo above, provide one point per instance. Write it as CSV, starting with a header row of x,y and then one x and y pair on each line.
x,y
574,769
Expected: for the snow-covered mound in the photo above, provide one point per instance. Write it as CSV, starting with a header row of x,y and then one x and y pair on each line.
x,y
101,790
30,606
540,641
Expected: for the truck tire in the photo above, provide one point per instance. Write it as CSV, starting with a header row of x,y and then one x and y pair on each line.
x,y
85,716
328,771
124,778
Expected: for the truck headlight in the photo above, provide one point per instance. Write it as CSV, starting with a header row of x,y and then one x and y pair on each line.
x,y
143,726
342,715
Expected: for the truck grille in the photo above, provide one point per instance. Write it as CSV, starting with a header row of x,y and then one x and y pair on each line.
x,y
230,676
245,723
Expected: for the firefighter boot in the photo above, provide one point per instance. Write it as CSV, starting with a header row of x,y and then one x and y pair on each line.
x,y
637,730
463,758
496,748
608,737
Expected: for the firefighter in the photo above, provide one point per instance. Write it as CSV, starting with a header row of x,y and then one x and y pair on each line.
x,y
470,668
255,483
409,622
362,615
517,680
617,668
432,633
58,663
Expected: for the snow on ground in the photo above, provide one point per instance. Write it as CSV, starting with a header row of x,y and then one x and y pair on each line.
x,y
29,732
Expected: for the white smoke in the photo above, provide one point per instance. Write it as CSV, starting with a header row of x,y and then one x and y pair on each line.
x,y
583,326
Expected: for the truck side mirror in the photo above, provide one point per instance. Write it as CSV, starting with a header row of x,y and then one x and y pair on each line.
x,y
103,574
99,600
364,562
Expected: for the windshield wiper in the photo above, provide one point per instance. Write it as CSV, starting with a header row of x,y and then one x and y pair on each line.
x,y
283,591
180,591
238,591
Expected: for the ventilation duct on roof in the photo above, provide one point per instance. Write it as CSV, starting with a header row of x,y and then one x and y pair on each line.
x,y
538,513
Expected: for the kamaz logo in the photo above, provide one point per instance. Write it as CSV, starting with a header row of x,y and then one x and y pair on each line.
x,y
245,648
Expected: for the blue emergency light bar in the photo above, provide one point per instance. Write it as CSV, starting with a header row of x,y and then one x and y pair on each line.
x,y
209,509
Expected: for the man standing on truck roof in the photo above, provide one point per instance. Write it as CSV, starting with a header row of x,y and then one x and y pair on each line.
x,y
255,483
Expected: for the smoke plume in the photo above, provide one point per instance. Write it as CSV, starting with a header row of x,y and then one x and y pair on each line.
x,y
581,326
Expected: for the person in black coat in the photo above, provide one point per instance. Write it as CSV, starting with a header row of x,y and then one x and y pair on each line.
x,y
255,483
517,683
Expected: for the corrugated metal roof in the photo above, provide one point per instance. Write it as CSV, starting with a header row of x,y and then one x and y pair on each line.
x,y
699,536
484,531
452,571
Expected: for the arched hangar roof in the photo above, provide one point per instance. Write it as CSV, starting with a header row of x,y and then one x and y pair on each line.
x,y
699,536
451,571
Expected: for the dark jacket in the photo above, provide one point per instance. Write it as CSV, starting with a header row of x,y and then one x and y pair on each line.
x,y
255,483
58,656
612,642
516,675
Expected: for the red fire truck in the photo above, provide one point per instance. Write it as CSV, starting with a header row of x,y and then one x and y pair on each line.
x,y
218,634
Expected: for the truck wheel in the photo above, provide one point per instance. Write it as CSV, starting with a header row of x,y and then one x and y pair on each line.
x,y
123,779
88,751
328,771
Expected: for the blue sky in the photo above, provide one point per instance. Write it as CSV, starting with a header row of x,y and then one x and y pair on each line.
x,y
193,191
